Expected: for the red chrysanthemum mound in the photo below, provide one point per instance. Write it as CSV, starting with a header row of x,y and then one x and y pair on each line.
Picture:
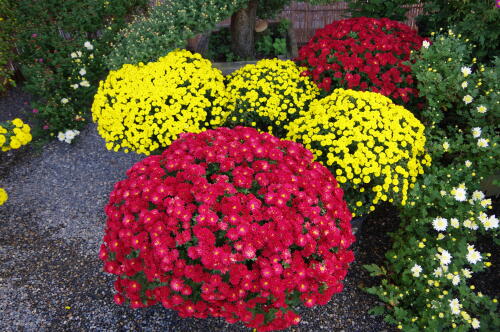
x,y
363,54
229,223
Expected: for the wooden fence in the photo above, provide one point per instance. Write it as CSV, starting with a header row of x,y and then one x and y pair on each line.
x,y
307,18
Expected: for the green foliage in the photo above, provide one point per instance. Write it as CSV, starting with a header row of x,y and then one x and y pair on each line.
x,y
461,95
60,71
7,27
168,26
392,9
269,43
433,257
474,19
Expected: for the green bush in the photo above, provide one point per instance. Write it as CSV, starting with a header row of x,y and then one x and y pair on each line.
x,y
461,95
392,9
474,19
61,46
427,280
167,27
7,27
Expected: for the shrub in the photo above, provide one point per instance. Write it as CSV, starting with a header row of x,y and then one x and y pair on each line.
x,y
168,26
146,107
391,9
363,54
428,279
472,19
375,148
268,95
462,110
7,27
14,134
228,223
59,39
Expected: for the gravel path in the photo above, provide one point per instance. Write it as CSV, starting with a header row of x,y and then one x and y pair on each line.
x,y
50,232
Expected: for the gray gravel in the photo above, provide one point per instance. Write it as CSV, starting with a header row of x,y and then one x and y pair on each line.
x,y
50,232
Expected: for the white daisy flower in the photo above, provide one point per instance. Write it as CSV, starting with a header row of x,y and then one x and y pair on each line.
x,y
73,55
444,257
477,195
481,109
455,306
438,272
473,256
61,136
482,143
446,146
466,71
491,222
82,72
88,46
460,194
85,83
64,101
468,99
455,280
440,224
464,84
468,163
467,273
476,132
475,323
416,270
426,44
74,86
454,222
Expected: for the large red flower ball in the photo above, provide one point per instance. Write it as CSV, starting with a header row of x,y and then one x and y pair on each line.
x,y
363,54
229,223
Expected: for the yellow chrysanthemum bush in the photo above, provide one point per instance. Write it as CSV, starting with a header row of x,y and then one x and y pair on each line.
x,y
375,148
144,107
14,134
268,95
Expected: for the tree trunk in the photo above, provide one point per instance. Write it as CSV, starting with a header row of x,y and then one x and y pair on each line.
x,y
242,31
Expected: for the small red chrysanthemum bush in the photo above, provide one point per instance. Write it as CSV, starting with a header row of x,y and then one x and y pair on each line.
x,y
362,53
229,223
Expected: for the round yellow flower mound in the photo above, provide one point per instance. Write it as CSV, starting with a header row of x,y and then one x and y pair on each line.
x,y
144,107
268,95
14,134
374,147
3,196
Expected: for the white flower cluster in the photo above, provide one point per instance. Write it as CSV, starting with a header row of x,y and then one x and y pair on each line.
x,y
68,136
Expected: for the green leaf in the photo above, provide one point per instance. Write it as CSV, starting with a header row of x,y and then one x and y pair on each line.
x,y
377,311
375,270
